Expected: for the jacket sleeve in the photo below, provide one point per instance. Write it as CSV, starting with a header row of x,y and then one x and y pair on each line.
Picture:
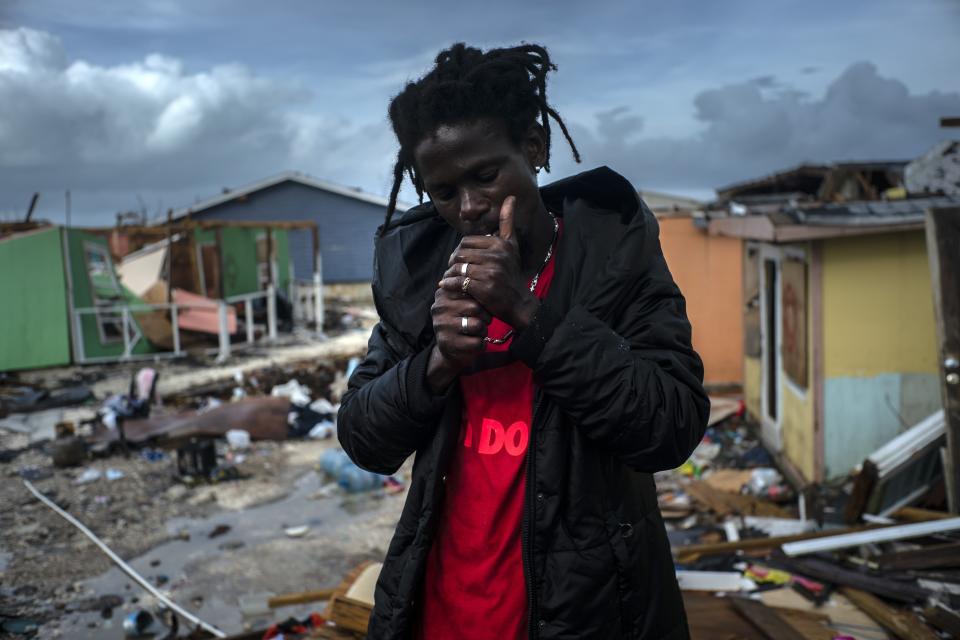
x,y
387,411
638,390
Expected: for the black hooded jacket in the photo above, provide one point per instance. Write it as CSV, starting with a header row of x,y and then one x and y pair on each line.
x,y
619,396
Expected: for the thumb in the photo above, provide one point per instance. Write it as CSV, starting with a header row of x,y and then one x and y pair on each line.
x,y
506,219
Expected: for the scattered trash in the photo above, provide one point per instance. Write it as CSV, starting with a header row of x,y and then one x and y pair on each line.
x,y
138,624
35,473
296,532
68,452
219,530
238,439
332,460
113,474
355,480
153,455
323,406
88,475
298,394
322,430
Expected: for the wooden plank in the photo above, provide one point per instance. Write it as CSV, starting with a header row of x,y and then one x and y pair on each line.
x,y
713,618
793,304
809,624
944,619
943,252
724,504
906,592
903,624
767,620
863,486
916,514
931,557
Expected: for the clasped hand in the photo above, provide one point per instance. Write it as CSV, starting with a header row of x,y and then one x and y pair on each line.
x,y
495,287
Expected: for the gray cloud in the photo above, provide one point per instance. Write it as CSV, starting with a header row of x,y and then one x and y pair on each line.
x,y
749,130
154,129
168,133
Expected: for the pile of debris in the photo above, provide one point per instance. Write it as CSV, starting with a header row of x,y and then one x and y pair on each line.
x,y
755,559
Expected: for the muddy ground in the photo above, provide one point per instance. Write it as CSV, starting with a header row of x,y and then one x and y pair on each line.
x,y
206,545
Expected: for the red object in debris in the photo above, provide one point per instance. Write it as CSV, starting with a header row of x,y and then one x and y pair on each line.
x,y
294,626
205,317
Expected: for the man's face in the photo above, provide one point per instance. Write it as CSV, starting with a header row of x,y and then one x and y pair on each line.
x,y
469,169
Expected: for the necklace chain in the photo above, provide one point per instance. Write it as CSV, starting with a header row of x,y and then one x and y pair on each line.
x,y
536,278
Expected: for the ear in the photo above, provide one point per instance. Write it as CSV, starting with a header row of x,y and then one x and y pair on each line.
x,y
535,146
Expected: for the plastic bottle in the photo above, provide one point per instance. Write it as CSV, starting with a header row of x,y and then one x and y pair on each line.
x,y
333,460
355,480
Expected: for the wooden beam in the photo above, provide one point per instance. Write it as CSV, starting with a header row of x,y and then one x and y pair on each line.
x,y
943,251
916,514
944,619
902,624
766,619
824,571
949,122
930,557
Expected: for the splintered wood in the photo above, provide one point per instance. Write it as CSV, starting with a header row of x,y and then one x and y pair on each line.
x,y
725,504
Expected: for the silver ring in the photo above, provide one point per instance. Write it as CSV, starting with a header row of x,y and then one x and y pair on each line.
x,y
463,269
466,283
463,324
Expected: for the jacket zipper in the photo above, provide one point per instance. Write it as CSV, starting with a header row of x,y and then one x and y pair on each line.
x,y
528,521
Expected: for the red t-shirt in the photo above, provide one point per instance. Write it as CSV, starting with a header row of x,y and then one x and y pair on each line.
x,y
474,585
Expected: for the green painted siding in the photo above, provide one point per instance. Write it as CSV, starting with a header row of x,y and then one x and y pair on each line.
x,y
104,284
238,247
34,324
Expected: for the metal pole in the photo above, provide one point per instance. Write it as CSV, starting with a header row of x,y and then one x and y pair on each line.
x,y
318,302
176,328
126,334
318,281
224,332
127,569
248,314
271,313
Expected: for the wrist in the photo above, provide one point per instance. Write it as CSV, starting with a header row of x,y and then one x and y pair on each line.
x,y
441,372
525,313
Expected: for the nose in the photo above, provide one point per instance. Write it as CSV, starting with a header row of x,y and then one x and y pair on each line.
x,y
472,205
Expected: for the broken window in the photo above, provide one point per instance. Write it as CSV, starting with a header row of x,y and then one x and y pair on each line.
x,y
105,291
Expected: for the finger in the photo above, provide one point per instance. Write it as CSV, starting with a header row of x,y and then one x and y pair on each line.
x,y
460,269
506,219
472,249
469,326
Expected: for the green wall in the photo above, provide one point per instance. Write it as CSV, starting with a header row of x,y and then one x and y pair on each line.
x,y
34,325
239,254
83,297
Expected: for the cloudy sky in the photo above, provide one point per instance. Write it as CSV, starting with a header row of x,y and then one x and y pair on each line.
x,y
155,104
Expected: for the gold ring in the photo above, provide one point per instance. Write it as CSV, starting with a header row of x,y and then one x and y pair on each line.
x,y
463,269
466,283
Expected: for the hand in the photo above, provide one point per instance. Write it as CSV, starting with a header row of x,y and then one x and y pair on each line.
x,y
458,342
493,268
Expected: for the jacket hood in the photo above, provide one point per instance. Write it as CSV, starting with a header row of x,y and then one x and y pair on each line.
x,y
413,250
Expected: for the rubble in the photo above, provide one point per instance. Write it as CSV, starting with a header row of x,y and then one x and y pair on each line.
x,y
765,560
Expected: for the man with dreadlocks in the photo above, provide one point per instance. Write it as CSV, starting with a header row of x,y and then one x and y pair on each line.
x,y
534,352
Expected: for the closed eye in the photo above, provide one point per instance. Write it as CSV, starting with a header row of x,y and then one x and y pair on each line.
x,y
486,177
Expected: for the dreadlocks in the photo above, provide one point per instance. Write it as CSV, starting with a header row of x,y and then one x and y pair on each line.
x,y
467,84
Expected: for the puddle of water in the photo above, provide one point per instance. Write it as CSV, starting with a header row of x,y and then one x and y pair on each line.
x,y
265,523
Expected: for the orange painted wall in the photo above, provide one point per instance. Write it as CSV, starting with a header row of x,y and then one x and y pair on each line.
x,y
708,270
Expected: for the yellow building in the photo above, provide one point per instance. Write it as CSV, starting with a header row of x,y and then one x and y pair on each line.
x,y
840,349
